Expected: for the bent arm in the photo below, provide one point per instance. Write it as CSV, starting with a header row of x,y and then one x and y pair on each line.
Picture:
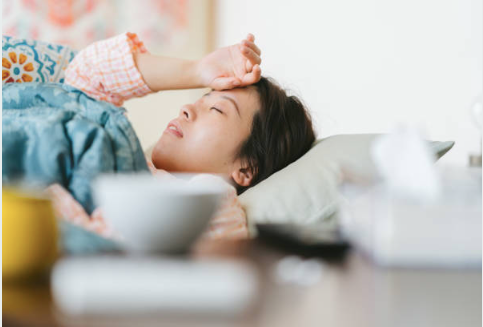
x,y
176,73
121,68
224,68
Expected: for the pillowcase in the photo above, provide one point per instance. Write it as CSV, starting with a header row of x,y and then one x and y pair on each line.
x,y
306,191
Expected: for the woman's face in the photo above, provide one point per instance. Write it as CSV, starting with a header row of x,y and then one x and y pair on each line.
x,y
210,131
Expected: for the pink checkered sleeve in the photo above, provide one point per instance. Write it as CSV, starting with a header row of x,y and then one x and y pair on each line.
x,y
105,70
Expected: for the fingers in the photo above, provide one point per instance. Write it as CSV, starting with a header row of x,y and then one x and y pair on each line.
x,y
225,83
252,77
252,46
251,55
228,83
251,52
248,66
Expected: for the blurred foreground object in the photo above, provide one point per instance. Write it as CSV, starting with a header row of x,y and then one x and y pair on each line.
x,y
125,286
477,116
405,163
420,214
29,235
319,240
158,214
292,291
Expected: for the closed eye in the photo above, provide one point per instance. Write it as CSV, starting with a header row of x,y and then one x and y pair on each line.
x,y
217,109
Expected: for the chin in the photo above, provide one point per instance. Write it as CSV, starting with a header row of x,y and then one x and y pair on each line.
x,y
160,163
163,161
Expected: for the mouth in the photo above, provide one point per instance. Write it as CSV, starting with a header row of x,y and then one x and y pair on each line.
x,y
175,129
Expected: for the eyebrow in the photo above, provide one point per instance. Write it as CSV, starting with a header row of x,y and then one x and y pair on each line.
x,y
229,99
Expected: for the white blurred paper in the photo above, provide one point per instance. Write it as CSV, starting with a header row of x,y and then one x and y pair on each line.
x,y
122,286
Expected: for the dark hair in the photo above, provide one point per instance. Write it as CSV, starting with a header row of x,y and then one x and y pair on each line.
x,y
281,132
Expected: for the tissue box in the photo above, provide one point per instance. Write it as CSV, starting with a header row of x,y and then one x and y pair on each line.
x,y
401,231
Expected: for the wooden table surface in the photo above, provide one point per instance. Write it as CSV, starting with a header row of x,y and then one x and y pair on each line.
x,y
350,292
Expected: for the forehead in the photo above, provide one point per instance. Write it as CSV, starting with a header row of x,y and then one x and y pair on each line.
x,y
246,98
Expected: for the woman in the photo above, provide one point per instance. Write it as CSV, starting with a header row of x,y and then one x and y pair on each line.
x,y
246,128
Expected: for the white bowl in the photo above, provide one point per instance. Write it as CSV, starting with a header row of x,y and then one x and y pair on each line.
x,y
153,214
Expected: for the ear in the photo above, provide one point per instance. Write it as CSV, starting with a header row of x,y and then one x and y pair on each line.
x,y
242,176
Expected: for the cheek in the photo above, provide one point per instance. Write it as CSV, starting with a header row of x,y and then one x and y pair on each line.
x,y
214,146
207,140
202,134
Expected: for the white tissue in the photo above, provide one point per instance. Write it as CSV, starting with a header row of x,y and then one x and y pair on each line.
x,y
405,163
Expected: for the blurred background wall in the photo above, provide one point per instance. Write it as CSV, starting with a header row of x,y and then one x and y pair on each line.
x,y
365,66
360,66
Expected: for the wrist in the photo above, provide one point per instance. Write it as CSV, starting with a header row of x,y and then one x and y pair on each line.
x,y
163,73
197,74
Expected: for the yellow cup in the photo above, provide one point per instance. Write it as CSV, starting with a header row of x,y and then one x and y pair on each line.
x,y
29,235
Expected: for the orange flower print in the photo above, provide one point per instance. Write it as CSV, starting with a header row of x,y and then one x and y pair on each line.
x,y
15,70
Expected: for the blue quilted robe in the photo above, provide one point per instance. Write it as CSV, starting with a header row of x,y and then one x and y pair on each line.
x,y
54,133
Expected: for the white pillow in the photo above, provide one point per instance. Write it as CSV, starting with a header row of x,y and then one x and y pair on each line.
x,y
306,191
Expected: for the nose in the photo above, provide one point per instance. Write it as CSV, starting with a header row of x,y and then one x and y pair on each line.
x,y
188,112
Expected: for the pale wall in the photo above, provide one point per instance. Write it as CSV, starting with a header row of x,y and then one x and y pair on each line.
x,y
363,66
151,114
